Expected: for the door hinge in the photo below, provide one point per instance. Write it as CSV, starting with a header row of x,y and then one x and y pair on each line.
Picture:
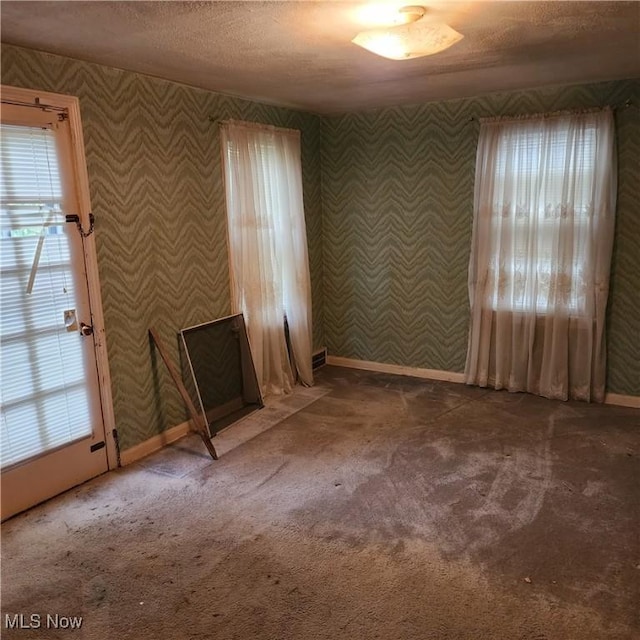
x,y
114,434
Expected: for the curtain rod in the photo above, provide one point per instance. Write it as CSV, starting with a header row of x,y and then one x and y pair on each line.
x,y
624,105
253,125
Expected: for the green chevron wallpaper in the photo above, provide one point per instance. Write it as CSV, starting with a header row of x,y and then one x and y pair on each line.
x,y
388,199
156,188
397,197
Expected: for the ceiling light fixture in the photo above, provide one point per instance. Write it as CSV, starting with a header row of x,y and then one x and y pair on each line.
x,y
383,14
413,39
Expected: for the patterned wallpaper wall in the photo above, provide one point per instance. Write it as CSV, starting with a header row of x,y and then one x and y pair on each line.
x,y
397,195
388,221
155,177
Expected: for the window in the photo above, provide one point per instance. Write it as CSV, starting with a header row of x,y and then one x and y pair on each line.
x,y
45,385
541,198
268,249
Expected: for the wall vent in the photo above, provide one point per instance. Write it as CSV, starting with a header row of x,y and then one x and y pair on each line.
x,y
319,358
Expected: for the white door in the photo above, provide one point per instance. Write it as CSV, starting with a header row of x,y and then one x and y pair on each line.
x,y
52,430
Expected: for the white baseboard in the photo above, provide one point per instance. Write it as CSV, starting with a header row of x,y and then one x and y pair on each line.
x,y
450,376
155,443
622,401
381,367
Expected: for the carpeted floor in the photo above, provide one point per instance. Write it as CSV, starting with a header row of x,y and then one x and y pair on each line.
x,y
385,507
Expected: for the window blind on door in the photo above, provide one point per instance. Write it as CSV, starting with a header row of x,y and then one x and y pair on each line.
x,y
45,403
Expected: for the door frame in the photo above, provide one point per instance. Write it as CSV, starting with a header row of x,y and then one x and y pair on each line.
x,y
35,98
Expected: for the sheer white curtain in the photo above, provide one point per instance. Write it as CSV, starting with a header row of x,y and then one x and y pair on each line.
x,y
545,195
268,257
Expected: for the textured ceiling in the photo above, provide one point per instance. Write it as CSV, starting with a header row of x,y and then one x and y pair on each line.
x,y
299,54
